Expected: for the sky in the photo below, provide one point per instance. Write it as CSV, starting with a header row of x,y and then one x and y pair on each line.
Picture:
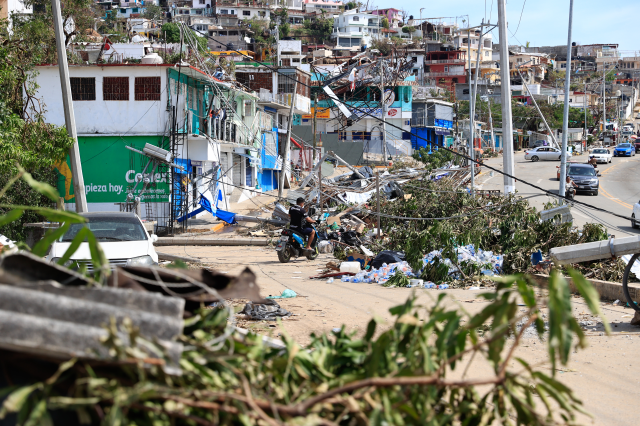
x,y
544,22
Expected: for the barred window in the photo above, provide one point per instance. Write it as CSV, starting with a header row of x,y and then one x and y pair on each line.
x,y
115,88
286,83
83,89
147,88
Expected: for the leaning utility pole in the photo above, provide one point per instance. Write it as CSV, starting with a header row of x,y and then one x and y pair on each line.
x,y
69,117
287,143
565,118
384,114
471,113
315,125
505,88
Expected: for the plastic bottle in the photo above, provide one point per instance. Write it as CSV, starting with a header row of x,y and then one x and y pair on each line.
x,y
345,278
330,280
443,286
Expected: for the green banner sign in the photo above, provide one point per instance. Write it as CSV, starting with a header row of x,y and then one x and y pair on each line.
x,y
110,171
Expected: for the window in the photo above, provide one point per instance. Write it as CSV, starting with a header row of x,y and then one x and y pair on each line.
x,y
134,10
446,68
147,88
115,89
356,19
224,11
83,89
465,40
246,13
286,83
123,10
201,2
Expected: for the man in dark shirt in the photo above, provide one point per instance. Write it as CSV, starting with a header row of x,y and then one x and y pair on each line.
x,y
301,221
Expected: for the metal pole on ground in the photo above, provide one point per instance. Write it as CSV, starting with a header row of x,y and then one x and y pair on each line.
x,y
565,118
505,89
69,117
287,143
378,200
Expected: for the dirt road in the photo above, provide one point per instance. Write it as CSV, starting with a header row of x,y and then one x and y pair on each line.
x,y
605,376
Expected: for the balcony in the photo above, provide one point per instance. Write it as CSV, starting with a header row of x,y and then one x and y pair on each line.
x,y
282,101
445,74
445,61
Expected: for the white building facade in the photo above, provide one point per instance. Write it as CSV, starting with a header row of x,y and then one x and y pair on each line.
x,y
353,28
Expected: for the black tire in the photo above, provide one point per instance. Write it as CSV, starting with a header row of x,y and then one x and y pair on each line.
x,y
560,158
625,282
595,192
312,255
634,224
284,256
534,158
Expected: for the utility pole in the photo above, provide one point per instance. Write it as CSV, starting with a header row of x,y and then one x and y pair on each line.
x,y
565,118
315,125
473,113
470,139
378,200
69,117
384,114
604,101
585,113
505,89
287,143
493,139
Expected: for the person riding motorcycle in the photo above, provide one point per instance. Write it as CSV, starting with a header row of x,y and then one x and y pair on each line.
x,y
300,221
593,162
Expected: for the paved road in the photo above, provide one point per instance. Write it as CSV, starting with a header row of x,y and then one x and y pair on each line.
x,y
619,188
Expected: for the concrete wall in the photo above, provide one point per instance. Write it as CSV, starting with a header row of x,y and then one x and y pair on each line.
x,y
106,117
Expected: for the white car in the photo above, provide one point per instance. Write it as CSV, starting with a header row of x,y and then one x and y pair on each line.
x,y
121,235
544,153
636,214
602,155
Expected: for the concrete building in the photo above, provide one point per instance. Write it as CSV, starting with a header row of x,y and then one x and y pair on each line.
x,y
10,7
131,105
290,53
446,67
353,28
393,15
328,6
469,43
431,122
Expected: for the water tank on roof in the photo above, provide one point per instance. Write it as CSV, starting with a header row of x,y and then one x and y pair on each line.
x,y
151,58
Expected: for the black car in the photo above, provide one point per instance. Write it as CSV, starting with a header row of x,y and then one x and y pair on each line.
x,y
585,176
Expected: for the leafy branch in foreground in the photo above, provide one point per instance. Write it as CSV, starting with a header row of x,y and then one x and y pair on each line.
x,y
424,369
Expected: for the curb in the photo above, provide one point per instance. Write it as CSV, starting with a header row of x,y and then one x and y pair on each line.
x,y
606,289
176,241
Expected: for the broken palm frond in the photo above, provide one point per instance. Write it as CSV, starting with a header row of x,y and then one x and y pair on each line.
x,y
398,375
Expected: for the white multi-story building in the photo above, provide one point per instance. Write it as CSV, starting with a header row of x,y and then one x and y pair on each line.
x,y
470,44
328,6
354,28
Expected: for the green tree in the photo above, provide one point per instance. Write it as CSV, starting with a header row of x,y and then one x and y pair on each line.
x,y
385,23
152,12
171,32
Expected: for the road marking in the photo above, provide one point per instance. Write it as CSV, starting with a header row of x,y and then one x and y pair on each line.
x,y
615,200
539,180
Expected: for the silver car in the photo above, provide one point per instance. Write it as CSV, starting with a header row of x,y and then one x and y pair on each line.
x,y
544,153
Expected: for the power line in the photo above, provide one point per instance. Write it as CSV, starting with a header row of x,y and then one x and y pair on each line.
x,y
468,158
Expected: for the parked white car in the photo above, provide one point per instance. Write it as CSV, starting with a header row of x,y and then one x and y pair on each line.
x,y
602,155
123,238
544,153
635,216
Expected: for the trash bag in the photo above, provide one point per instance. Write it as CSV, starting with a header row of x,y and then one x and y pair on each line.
x,y
269,311
351,238
325,247
322,236
334,236
388,257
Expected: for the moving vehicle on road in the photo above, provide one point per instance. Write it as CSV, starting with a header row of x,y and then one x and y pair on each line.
x,y
585,176
544,153
292,243
624,150
636,143
602,155
121,235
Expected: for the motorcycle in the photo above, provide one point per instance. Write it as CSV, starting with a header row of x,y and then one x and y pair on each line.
x,y
570,193
292,243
